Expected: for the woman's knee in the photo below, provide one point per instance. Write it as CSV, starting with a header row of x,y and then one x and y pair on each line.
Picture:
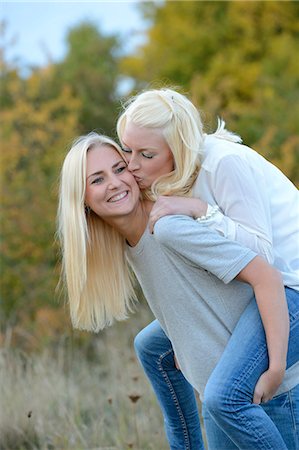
x,y
213,398
224,397
142,343
151,342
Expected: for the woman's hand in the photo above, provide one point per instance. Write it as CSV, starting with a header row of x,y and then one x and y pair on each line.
x,y
177,366
267,385
172,205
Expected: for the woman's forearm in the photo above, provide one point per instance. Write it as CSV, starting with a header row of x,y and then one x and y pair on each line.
x,y
271,301
270,297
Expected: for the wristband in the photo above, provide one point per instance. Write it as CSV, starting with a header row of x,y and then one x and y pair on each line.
x,y
211,211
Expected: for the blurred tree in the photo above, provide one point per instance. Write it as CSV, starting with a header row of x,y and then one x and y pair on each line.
x,y
35,132
90,69
8,70
237,60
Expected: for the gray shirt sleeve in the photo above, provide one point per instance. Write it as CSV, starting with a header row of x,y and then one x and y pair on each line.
x,y
202,246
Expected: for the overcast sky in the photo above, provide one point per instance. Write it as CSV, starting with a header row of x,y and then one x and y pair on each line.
x,y
40,27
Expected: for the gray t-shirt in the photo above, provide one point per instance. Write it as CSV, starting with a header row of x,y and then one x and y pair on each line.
x,y
187,271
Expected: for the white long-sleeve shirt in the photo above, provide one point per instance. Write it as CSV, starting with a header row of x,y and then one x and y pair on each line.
x,y
259,206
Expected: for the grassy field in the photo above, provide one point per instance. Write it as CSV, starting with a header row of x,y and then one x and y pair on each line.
x,y
89,396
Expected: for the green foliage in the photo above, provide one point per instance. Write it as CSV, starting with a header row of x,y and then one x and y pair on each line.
x,y
34,134
237,60
90,70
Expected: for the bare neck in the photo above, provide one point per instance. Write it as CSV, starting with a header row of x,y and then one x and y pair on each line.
x,y
132,226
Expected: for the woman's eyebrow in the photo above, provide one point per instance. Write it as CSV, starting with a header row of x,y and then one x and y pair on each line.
x,y
95,173
101,171
140,149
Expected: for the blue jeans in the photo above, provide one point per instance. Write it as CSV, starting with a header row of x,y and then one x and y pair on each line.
x,y
283,410
178,403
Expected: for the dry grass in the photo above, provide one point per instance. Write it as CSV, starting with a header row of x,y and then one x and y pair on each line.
x,y
71,398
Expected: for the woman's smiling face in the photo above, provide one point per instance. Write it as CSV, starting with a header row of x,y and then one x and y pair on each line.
x,y
147,153
111,190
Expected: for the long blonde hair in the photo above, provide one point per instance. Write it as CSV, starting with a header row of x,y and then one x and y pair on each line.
x,y
182,127
98,281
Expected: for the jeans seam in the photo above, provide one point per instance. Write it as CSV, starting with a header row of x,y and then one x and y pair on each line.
x,y
293,316
291,403
173,394
247,373
236,386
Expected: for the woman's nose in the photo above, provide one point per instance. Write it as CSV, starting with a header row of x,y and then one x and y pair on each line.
x,y
114,182
133,164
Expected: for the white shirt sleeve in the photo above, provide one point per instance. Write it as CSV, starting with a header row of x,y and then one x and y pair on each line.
x,y
244,214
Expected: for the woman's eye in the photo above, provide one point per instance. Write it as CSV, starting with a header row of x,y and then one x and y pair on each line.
x,y
97,180
121,169
148,155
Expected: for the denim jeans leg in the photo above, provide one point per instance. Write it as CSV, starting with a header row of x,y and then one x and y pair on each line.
x,y
284,412
216,438
229,391
174,393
